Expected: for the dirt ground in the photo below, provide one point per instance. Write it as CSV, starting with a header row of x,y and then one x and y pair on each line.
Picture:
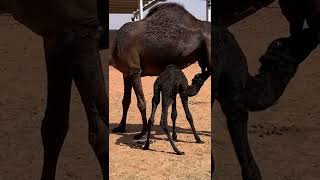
x,y
22,104
127,161
284,138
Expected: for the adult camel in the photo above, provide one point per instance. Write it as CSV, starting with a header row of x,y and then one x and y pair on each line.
x,y
71,32
168,35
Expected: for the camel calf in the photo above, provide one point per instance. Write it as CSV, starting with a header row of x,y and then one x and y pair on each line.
x,y
171,82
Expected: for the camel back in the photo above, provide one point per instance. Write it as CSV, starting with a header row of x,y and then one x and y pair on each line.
x,y
169,10
169,22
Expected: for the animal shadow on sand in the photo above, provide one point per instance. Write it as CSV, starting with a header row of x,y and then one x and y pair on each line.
x,y
132,129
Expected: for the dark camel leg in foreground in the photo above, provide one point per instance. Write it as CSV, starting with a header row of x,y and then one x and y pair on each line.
x,y
231,88
65,61
125,105
237,120
89,80
55,123
232,74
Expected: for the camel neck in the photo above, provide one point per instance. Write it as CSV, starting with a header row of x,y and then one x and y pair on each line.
x,y
7,6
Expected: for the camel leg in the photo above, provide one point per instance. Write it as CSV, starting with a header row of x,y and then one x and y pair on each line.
x,y
125,105
184,100
55,123
237,121
155,102
164,122
174,115
141,103
89,79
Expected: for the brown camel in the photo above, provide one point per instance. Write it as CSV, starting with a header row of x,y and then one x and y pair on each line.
x,y
168,35
169,83
71,32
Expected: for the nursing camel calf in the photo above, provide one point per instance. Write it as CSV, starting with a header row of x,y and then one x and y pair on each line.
x,y
169,83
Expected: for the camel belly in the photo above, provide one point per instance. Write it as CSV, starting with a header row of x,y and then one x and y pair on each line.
x,y
152,67
44,17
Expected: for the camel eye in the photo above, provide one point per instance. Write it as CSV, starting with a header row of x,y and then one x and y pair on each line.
x,y
277,44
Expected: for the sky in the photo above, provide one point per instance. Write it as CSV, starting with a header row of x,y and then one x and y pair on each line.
x,y
195,7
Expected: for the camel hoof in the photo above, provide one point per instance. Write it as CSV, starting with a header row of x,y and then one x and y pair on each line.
x,y
138,136
175,138
145,148
180,153
119,129
200,142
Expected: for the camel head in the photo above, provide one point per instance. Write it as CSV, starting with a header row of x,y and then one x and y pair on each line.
x,y
293,50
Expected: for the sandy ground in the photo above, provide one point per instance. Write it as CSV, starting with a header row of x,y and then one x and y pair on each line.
x,y
22,104
130,162
291,152
284,138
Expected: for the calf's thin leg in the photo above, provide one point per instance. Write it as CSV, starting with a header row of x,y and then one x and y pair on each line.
x,y
125,104
164,122
174,115
155,102
184,100
55,123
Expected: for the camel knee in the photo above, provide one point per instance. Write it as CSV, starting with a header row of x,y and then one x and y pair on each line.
x,y
141,104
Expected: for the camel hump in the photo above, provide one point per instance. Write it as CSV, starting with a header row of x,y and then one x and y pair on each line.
x,y
164,6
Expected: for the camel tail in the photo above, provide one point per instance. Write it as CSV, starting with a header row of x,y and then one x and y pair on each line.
x,y
156,91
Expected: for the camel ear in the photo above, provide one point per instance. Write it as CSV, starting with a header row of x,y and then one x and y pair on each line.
x,y
303,43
